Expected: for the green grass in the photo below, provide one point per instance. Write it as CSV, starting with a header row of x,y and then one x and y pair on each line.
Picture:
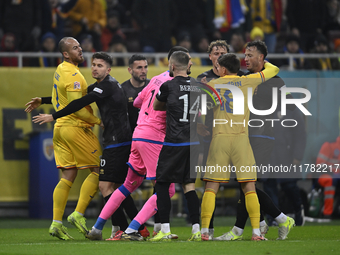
x,y
31,237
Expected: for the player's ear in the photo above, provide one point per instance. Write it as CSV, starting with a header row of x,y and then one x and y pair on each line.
x,y
65,54
261,57
130,70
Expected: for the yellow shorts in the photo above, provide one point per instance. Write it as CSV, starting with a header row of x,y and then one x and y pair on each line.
x,y
76,147
229,154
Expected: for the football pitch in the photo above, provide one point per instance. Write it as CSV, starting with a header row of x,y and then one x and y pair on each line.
x,y
18,236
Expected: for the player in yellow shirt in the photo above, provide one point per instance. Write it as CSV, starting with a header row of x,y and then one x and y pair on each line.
x,y
75,145
230,142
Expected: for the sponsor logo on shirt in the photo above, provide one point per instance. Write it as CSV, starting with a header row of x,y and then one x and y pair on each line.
x,y
76,85
98,90
74,74
130,99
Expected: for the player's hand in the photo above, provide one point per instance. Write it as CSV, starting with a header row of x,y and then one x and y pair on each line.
x,y
202,129
34,103
101,124
204,80
42,118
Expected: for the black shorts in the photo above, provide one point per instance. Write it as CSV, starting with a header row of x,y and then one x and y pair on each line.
x,y
262,149
177,164
113,167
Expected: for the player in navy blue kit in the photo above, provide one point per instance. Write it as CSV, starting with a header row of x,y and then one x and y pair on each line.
x,y
181,100
138,68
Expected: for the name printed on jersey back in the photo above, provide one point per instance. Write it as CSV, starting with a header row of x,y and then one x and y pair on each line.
x,y
189,88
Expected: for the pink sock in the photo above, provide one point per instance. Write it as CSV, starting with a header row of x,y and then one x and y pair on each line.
x,y
132,182
150,207
112,204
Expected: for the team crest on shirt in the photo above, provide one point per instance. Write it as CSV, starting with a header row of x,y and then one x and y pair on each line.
x,y
76,85
130,99
48,149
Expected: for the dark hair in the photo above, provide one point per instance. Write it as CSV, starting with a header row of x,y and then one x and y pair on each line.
x,y
230,61
104,56
292,38
260,46
136,57
176,48
218,43
180,58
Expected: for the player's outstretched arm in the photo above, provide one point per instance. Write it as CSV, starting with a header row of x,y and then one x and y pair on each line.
x,y
42,118
257,78
270,70
72,107
36,102
77,105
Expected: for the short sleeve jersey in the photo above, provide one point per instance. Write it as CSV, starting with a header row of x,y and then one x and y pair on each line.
x,y
67,78
131,93
182,97
113,110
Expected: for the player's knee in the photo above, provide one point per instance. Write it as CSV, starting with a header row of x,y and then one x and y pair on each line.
x,y
106,188
124,190
95,170
188,187
247,186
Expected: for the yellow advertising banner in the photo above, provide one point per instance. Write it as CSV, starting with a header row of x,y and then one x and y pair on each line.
x,y
18,86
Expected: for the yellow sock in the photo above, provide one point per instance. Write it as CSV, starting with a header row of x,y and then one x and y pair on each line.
x,y
87,191
208,207
60,196
253,208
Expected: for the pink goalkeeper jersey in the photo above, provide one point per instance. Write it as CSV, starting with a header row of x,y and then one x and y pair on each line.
x,y
151,124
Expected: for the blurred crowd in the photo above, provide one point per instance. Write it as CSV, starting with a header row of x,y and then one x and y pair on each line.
x,y
286,26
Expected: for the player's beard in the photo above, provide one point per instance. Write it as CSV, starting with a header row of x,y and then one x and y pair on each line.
x,y
78,60
81,60
189,71
136,78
